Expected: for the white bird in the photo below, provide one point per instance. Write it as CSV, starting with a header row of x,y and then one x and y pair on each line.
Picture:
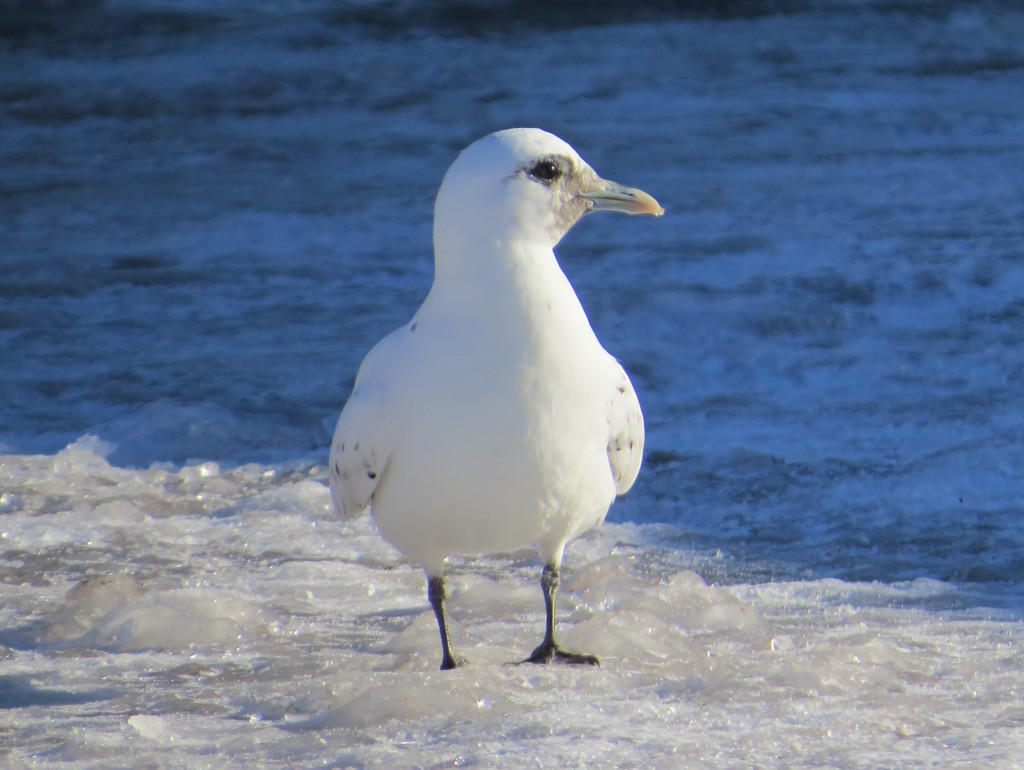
x,y
495,419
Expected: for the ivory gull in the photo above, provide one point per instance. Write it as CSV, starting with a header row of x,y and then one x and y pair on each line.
x,y
495,419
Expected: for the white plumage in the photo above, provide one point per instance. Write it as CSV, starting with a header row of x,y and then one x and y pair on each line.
x,y
495,419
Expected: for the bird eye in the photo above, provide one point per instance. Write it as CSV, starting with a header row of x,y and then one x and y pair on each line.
x,y
546,171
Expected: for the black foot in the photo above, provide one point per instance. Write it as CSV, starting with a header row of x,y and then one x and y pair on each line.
x,y
550,653
449,663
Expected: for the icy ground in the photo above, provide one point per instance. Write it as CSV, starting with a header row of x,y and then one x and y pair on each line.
x,y
209,211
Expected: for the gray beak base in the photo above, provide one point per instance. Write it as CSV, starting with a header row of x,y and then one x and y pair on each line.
x,y
617,197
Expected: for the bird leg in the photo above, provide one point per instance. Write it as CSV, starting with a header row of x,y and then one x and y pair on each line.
x,y
437,594
549,651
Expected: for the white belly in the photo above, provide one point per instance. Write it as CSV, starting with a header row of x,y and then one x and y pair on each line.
x,y
497,454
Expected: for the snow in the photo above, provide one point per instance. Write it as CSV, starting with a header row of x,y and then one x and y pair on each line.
x,y
210,211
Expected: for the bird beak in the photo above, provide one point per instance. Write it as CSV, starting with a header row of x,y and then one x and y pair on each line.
x,y
611,196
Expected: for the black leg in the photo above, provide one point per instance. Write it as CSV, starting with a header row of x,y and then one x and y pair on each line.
x,y
437,594
549,651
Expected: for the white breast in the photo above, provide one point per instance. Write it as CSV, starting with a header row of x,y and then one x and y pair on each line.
x,y
503,419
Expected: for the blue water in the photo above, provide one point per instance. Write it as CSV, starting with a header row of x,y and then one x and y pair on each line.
x,y
209,216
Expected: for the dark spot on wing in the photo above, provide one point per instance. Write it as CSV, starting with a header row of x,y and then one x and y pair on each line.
x,y
371,474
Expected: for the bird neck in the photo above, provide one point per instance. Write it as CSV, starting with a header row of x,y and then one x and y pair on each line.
x,y
491,249
516,290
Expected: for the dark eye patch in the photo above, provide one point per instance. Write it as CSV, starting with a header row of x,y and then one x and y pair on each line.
x,y
547,170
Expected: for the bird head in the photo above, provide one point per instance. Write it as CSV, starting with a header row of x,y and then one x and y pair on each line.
x,y
524,185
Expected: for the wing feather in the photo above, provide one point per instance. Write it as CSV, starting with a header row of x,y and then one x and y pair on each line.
x,y
362,444
626,434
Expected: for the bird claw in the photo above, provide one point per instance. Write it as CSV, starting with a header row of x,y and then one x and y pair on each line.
x,y
549,653
450,663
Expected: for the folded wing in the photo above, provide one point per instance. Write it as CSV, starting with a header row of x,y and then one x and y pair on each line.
x,y
360,450
626,433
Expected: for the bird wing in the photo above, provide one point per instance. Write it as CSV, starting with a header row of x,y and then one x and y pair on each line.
x,y
626,434
362,443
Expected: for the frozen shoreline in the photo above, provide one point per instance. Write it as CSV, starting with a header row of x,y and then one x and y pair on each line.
x,y
226,619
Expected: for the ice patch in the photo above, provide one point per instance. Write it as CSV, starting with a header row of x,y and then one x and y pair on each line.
x,y
429,698
116,614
